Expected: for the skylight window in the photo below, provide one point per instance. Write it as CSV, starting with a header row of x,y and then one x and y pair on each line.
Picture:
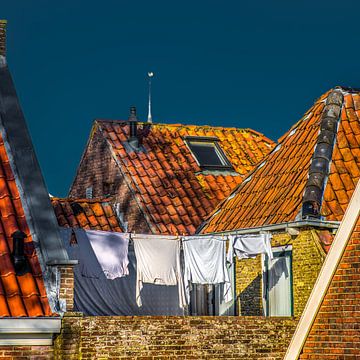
x,y
208,152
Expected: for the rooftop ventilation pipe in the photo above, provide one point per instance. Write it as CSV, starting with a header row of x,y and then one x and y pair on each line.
x,y
19,259
133,139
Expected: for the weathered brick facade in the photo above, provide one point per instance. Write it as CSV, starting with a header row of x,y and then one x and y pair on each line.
x,y
307,259
3,37
99,170
67,286
26,352
335,333
173,338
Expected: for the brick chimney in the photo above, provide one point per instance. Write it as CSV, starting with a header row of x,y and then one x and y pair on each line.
x,y
3,37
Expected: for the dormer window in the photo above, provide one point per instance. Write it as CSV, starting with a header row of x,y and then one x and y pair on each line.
x,y
208,152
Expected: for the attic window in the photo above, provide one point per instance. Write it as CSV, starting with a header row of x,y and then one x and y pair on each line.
x,y
208,153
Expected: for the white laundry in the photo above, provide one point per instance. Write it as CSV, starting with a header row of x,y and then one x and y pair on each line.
x,y
205,263
111,251
248,246
158,262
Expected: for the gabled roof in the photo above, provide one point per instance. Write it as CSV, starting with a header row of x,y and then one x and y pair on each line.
x,y
329,325
274,192
19,295
93,214
174,193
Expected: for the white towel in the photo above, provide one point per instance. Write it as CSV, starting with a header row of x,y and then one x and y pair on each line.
x,y
158,262
205,263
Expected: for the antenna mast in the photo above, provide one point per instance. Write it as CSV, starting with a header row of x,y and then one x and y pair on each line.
x,y
150,75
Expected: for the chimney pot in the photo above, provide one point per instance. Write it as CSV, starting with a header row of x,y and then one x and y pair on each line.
x,y
132,116
133,138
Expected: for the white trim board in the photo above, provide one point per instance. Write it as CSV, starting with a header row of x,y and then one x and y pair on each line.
x,y
324,279
28,331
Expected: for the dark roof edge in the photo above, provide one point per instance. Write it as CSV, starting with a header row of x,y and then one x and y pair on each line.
x,y
24,163
321,159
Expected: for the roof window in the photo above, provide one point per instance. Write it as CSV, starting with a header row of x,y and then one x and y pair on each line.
x,y
208,152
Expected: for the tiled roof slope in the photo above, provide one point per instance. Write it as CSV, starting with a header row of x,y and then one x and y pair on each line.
x,y
167,181
19,295
89,214
273,192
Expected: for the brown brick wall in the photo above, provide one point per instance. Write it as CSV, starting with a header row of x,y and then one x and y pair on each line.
x,y
26,352
174,338
306,264
67,286
3,37
99,170
335,333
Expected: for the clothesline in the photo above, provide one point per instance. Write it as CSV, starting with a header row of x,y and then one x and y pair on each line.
x,y
158,260
176,237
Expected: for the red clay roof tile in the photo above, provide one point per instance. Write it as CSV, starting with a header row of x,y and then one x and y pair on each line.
x,y
19,295
272,193
93,214
168,171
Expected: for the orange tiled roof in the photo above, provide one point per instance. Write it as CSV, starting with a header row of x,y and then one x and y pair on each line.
x,y
86,214
273,192
19,295
168,183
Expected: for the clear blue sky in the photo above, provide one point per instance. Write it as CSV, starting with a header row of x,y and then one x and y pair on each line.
x,y
257,64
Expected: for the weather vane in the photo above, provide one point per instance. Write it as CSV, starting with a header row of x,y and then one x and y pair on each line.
x,y
150,75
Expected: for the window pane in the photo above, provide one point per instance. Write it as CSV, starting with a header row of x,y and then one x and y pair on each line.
x,y
206,153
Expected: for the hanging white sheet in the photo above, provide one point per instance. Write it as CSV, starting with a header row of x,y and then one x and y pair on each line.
x,y
95,295
249,246
205,263
111,251
158,262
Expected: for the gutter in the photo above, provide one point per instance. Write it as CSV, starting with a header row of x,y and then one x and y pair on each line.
x,y
29,331
321,224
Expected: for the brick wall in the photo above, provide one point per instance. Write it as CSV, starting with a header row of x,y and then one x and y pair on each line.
x,y
99,170
3,37
307,259
67,286
173,338
335,333
26,352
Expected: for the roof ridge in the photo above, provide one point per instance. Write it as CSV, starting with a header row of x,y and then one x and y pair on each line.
x,y
322,155
98,199
179,125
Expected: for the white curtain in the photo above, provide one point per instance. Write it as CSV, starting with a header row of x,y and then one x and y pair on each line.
x,y
279,295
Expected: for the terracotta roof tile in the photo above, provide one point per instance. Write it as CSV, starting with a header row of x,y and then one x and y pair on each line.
x,y
19,295
167,173
273,193
94,214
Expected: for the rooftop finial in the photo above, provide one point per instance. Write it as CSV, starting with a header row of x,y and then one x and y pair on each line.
x,y
150,75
